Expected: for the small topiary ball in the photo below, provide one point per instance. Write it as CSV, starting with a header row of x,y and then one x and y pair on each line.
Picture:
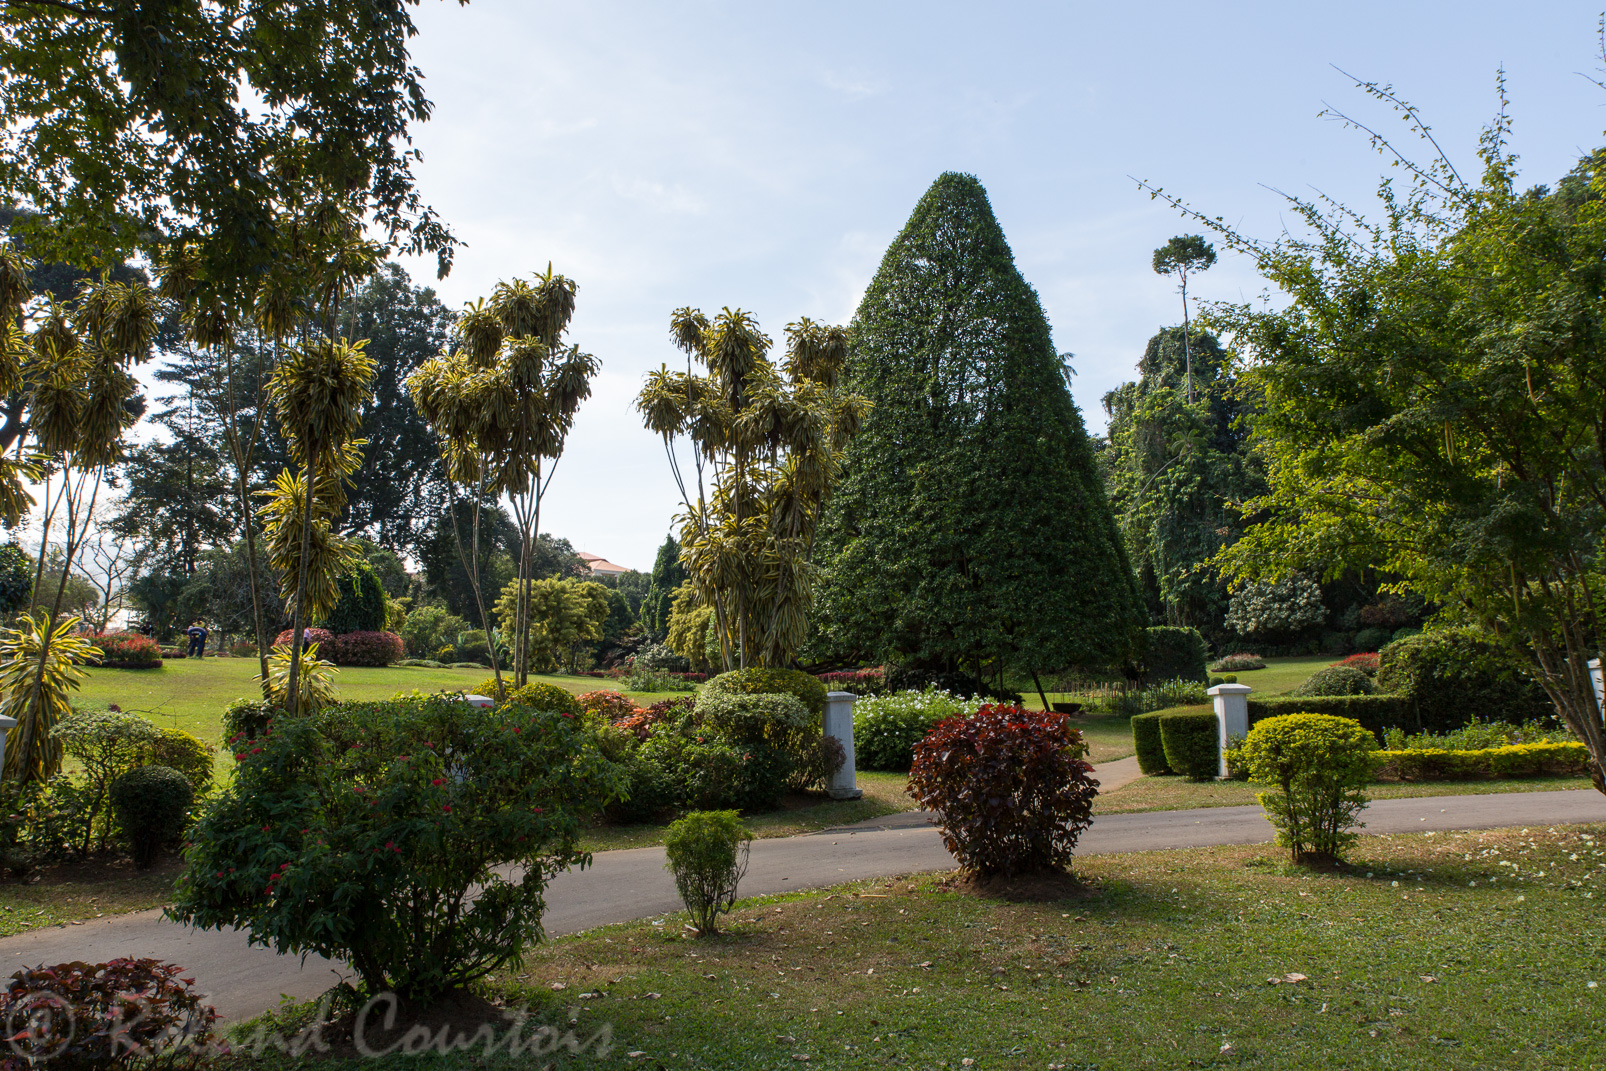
x,y
152,804
1336,680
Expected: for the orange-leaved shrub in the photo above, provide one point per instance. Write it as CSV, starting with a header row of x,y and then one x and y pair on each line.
x,y
1010,787
614,706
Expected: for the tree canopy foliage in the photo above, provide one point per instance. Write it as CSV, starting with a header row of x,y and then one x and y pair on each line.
x,y
1432,401
971,525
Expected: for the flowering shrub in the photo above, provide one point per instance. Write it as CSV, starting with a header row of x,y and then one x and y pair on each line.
x,y
887,727
366,649
1279,607
121,1013
1237,663
127,650
370,831
1365,662
614,706
321,636
1010,788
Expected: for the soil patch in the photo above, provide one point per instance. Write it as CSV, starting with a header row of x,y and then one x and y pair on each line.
x,y
1041,887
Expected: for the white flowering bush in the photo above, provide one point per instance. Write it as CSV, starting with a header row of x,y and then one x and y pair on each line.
x,y
1291,604
886,728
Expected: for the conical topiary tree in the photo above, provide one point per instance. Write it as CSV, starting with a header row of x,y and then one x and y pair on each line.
x,y
971,530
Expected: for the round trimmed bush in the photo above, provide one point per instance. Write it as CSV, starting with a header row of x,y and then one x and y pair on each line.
x,y
770,681
152,804
1336,680
188,754
1146,740
538,695
1010,789
1315,765
1192,744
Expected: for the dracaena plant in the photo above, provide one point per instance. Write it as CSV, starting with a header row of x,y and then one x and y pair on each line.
x,y
766,449
501,401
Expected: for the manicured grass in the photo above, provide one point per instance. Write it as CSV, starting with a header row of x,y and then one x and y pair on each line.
x,y
883,794
78,893
1473,950
1178,794
1283,674
190,693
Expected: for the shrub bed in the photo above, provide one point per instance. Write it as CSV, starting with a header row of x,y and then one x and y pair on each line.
x,y
1146,741
1237,663
886,728
364,649
370,831
127,650
1010,788
1378,713
1192,744
1335,680
1366,662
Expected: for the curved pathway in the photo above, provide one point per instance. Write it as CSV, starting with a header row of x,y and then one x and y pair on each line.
x,y
623,885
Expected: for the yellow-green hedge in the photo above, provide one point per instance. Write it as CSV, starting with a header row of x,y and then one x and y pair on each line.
x,y
1513,760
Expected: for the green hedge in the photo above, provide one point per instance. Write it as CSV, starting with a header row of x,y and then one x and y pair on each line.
x,y
771,682
1376,712
1451,676
1192,744
1146,739
1513,760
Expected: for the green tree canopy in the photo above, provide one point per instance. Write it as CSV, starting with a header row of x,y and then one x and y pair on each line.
x,y
667,576
971,525
1432,403
1173,470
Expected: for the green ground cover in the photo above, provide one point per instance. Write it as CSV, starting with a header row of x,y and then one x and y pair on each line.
x,y
80,893
1429,952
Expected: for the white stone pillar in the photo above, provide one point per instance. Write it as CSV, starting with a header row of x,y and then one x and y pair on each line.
x,y
6,725
844,784
1600,684
1232,716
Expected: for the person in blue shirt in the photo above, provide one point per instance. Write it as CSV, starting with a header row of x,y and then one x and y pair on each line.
x,y
197,635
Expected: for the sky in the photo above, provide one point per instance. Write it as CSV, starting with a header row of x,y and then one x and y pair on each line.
x,y
763,156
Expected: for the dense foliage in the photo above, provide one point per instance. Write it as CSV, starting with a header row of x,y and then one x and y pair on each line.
x,y
360,605
886,728
117,1014
707,851
1452,676
1335,680
1192,744
377,833
1276,609
1172,653
366,649
152,804
1009,788
1148,745
971,525
794,682
127,650
1316,766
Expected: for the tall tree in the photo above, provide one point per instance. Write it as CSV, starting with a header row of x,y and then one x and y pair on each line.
x,y
402,483
1174,470
667,576
1181,255
1432,401
971,528
198,121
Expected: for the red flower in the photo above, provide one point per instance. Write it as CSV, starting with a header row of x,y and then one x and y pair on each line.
x,y
447,808
438,781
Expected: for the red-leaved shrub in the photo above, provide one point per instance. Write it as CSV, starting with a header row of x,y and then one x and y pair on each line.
x,y
1010,788
1366,662
320,636
127,650
364,649
641,722
611,705
121,1013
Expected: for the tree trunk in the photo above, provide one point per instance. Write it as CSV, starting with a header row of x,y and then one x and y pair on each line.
x,y
292,690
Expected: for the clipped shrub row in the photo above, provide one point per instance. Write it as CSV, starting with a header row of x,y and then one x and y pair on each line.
x,y
1513,760
1192,744
1377,713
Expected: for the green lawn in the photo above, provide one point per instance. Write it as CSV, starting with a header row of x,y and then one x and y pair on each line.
x,y
190,694
1473,950
1179,794
1283,674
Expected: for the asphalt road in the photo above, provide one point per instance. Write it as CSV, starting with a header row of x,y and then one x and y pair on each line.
x,y
241,980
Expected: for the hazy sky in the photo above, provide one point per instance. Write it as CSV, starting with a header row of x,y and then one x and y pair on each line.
x,y
764,155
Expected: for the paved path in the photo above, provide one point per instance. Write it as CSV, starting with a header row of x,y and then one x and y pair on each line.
x,y
633,884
